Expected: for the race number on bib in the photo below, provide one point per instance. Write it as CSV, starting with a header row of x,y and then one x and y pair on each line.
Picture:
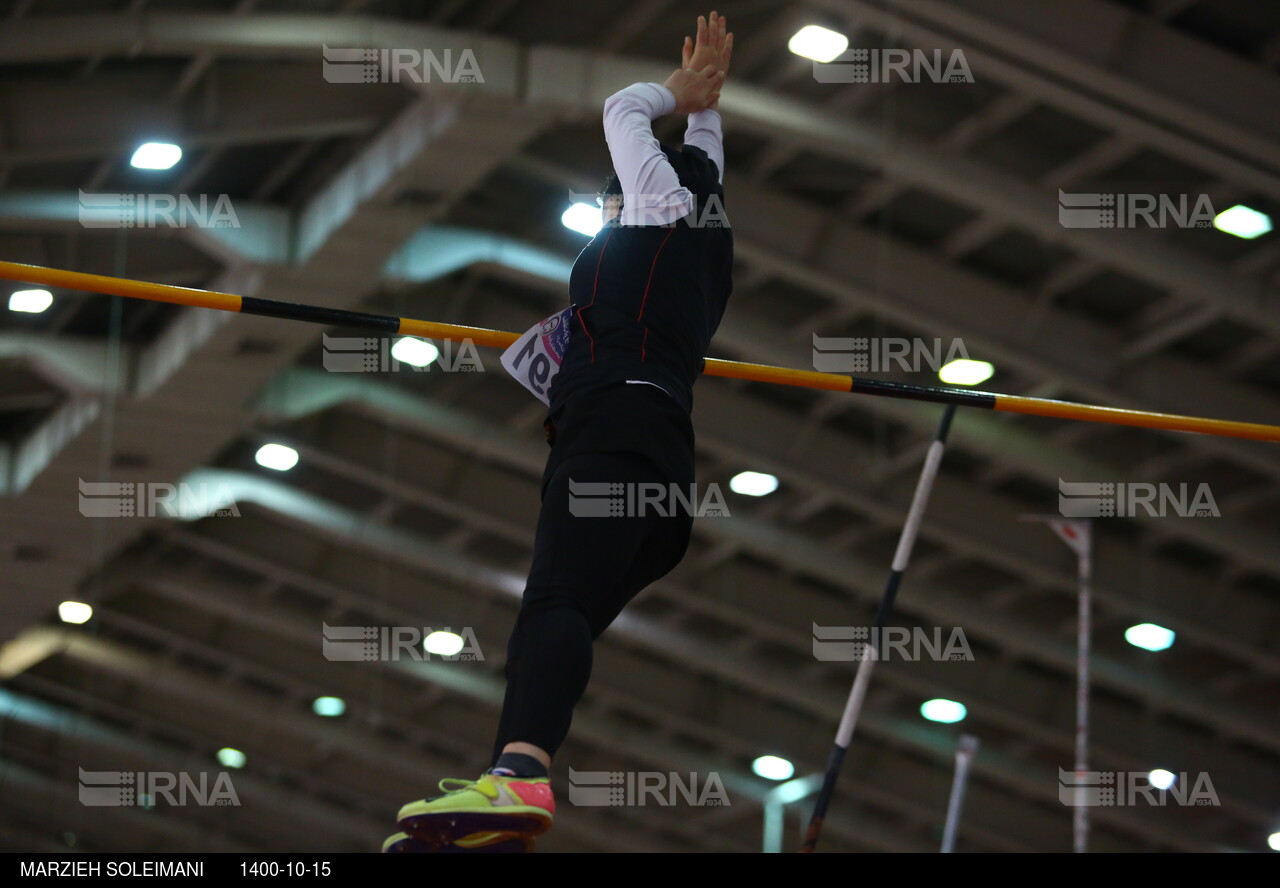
x,y
534,359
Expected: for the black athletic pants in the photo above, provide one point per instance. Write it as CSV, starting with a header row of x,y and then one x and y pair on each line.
x,y
586,569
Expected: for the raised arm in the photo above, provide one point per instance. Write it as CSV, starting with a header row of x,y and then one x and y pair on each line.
x,y
651,190
704,132
652,193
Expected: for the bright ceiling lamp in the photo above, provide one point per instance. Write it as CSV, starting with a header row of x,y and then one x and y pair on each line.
x,y
945,711
329,707
276,456
1149,636
583,218
772,767
966,372
156,156
753,483
231,758
30,301
74,612
413,351
1243,222
818,43
446,644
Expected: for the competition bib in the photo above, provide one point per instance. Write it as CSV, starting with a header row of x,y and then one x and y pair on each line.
x,y
534,359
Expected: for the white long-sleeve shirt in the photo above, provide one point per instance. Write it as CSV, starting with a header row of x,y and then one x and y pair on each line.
x,y
652,193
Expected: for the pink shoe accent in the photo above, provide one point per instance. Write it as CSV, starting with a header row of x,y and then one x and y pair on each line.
x,y
537,795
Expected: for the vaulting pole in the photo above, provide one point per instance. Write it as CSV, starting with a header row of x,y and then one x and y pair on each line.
x,y
388,324
871,651
965,751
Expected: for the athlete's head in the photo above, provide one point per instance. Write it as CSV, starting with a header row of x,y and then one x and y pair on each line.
x,y
610,198
695,170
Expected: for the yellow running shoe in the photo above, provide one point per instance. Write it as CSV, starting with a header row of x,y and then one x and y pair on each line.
x,y
510,806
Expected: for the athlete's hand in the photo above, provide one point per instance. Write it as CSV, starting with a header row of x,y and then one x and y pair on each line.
x,y
714,46
695,90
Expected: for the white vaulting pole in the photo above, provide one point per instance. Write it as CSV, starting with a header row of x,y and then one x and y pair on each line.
x,y
965,751
871,652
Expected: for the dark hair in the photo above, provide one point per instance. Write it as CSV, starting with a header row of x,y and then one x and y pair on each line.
x,y
611,187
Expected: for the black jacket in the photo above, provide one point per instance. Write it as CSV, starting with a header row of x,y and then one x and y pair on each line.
x,y
647,299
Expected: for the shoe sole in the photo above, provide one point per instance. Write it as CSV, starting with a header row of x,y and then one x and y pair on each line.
x,y
446,827
512,845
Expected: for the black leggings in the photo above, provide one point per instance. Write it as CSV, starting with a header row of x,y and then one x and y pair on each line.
x,y
586,569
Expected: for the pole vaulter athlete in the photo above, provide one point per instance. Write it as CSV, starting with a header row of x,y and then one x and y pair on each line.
x,y
647,294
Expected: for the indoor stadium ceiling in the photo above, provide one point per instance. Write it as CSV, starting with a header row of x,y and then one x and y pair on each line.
x,y
899,208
